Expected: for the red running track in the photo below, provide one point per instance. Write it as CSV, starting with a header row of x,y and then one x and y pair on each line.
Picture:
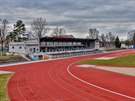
x,y
50,81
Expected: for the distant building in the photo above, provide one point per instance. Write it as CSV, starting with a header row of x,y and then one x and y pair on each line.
x,y
130,35
58,44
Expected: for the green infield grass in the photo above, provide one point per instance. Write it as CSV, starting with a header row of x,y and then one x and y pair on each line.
x,y
3,83
128,60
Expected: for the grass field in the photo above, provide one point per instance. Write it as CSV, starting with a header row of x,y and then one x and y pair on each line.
x,y
112,49
9,57
120,61
3,83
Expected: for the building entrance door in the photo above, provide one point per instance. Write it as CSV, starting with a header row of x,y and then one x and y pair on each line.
x,y
34,49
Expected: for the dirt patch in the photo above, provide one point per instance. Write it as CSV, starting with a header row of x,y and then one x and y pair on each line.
x,y
105,58
124,70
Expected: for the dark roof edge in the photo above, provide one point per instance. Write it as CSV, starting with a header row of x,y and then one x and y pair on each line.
x,y
67,38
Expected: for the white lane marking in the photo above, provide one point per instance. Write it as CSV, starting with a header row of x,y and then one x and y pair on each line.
x,y
7,88
19,88
96,85
80,89
39,86
59,59
64,87
31,88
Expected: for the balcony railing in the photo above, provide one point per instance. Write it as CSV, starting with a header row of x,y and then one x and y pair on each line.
x,y
52,45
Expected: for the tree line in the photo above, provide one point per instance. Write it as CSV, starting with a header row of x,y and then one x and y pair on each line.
x,y
106,40
18,33
129,42
39,28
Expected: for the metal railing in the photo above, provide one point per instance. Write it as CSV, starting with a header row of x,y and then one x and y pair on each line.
x,y
54,56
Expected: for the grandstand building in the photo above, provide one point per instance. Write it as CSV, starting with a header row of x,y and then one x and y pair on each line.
x,y
52,46
58,44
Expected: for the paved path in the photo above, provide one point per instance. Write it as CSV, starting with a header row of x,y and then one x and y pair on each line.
x,y
123,70
51,81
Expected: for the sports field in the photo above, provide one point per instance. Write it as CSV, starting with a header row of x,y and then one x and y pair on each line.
x,y
128,60
3,81
63,80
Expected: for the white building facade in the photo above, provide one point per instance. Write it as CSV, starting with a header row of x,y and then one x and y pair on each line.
x,y
25,47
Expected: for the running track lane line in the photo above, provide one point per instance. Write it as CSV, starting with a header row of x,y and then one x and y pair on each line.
x,y
96,85
66,88
59,59
31,89
7,89
19,88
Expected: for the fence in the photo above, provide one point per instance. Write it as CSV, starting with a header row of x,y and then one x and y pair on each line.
x,y
54,56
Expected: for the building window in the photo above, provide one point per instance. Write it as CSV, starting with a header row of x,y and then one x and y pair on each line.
x,y
20,47
34,49
12,47
30,49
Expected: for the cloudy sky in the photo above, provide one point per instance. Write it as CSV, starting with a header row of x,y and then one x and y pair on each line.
x,y
76,16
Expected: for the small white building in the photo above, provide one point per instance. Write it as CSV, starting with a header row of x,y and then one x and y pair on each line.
x,y
25,47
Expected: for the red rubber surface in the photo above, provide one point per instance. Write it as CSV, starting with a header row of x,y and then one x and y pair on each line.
x,y
50,81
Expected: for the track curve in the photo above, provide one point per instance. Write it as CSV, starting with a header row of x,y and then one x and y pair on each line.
x,y
50,81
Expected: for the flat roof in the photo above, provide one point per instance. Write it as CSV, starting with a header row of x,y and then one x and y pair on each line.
x,y
65,39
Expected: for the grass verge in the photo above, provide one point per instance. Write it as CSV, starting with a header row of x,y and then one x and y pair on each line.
x,y
10,57
128,60
3,83
113,49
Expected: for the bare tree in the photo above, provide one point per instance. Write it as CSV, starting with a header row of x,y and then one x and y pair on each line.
x,y
93,33
107,38
111,38
103,40
3,32
39,26
58,32
62,31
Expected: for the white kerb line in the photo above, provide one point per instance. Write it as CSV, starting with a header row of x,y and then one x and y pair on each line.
x,y
96,85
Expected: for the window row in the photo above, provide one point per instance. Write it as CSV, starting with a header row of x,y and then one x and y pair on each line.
x,y
61,43
20,47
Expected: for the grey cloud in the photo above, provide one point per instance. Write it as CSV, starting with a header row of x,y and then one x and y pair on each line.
x,y
76,15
